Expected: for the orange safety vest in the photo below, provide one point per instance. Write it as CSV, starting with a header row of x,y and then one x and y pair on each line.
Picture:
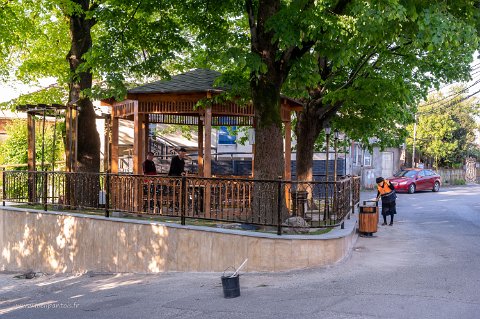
x,y
384,190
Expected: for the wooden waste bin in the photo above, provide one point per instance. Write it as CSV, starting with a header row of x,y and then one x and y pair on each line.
x,y
368,220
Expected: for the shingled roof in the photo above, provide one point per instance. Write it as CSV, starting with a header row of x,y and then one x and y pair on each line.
x,y
198,80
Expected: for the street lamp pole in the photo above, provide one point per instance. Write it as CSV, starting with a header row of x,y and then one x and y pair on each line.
x,y
327,204
335,167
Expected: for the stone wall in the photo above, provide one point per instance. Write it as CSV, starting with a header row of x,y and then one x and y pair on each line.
x,y
57,243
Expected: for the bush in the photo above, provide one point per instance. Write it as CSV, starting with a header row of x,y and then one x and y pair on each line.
x,y
458,182
14,149
455,181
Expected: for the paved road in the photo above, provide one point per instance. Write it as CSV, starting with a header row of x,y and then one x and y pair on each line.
x,y
425,266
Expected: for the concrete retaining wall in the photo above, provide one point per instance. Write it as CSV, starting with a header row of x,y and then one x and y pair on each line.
x,y
56,243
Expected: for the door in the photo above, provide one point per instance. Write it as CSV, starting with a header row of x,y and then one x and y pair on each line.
x,y
422,181
430,179
387,164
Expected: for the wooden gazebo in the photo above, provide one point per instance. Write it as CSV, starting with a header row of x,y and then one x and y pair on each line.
x,y
174,102
43,110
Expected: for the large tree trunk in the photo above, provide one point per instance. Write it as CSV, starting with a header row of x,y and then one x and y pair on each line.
x,y
265,86
82,190
310,122
88,140
307,130
269,158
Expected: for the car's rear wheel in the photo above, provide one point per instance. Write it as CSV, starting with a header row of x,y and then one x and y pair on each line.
x,y
436,187
411,189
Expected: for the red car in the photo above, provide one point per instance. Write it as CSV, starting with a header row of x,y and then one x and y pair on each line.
x,y
416,179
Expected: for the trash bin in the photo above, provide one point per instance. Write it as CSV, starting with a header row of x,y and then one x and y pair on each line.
x,y
368,220
299,198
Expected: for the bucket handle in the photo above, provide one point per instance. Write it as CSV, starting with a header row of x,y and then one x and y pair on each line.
x,y
235,273
230,267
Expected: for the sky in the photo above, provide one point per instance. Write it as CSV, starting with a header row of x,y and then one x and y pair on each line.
x,y
13,90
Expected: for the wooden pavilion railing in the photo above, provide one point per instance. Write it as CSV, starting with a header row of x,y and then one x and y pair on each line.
x,y
320,203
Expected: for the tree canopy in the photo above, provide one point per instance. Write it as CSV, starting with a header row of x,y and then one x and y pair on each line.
x,y
360,66
446,128
91,48
131,41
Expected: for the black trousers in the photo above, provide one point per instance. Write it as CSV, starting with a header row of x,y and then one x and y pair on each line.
x,y
388,209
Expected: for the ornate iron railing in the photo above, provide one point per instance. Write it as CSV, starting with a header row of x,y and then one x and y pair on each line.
x,y
272,203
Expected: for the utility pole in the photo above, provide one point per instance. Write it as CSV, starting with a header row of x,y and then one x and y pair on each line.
x,y
414,140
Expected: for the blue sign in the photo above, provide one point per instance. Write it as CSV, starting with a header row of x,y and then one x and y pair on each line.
x,y
224,136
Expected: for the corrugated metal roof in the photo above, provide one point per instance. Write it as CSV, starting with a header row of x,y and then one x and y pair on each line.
x,y
198,80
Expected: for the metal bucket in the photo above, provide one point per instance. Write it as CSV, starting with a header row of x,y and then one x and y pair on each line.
x,y
231,286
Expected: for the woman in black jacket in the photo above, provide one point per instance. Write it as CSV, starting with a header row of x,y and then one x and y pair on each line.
x,y
386,191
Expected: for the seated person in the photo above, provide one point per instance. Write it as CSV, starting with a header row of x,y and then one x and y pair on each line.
x,y
177,166
148,166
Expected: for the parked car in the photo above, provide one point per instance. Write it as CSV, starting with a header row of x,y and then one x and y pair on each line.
x,y
416,179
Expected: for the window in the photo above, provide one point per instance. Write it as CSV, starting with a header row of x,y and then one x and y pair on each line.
x,y
224,136
361,156
357,154
409,173
367,158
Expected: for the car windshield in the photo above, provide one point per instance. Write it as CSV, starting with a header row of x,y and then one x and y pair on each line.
x,y
405,173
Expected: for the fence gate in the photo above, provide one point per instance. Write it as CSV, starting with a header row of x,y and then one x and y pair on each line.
x,y
471,170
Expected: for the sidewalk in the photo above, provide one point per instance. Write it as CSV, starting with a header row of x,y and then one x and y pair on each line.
x,y
419,268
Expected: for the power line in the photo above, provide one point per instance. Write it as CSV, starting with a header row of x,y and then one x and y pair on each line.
x,y
453,95
473,68
449,104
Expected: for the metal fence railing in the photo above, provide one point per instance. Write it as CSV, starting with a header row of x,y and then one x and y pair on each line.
x,y
259,202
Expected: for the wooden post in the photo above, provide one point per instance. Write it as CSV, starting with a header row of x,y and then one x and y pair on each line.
x,y
71,152
200,146
114,147
75,139
106,144
31,142
288,150
31,157
207,170
146,130
138,143
253,160
71,138
68,138
288,160
208,143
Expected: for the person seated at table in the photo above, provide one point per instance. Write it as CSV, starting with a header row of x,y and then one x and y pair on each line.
x,y
149,168
148,165
177,165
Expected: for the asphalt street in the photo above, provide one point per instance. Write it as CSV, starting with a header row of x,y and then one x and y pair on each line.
x,y
425,266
